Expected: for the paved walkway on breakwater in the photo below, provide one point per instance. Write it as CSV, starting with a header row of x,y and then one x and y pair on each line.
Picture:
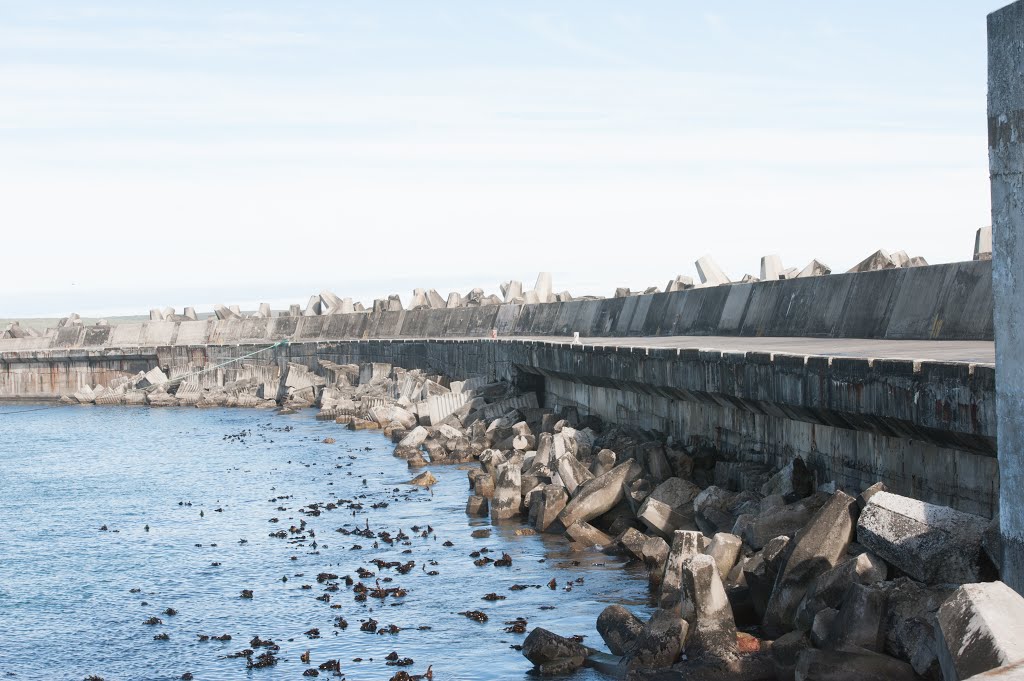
x,y
972,352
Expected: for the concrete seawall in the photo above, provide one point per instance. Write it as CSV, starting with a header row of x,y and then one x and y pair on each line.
x,y
927,429
940,302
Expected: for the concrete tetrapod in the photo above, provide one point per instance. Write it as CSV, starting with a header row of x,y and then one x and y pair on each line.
x,y
685,543
712,628
816,548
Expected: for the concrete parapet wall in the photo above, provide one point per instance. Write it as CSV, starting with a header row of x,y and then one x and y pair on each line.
x,y
940,302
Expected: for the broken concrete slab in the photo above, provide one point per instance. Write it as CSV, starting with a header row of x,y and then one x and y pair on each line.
x,y
933,544
670,507
655,550
794,481
586,535
861,620
680,283
911,628
758,530
981,627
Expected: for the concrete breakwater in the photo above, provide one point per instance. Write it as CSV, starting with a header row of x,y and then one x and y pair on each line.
x,y
781,576
926,429
938,302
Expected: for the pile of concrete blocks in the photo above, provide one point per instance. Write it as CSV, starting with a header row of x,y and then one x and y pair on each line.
x,y
168,314
884,260
16,330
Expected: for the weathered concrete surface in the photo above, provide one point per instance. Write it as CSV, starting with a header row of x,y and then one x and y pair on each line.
x,y
982,627
1006,168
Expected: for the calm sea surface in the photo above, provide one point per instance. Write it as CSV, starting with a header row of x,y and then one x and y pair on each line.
x,y
207,483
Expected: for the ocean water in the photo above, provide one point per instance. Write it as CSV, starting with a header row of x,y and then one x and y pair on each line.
x,y
208,485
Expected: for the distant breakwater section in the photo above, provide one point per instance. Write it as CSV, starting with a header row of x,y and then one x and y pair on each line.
x,y
938,302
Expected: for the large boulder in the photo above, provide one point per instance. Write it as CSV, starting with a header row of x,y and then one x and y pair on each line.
x,y
670,507
840,665
758,529
553,654
933,544
816,548
911,627
981,627
619,628
599,495
659,643
861,620
828,588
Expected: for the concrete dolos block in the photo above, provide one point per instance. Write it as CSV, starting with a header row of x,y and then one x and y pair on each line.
x,y
981,627
932,544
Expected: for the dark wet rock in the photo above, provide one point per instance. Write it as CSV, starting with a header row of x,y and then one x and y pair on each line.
x,y
817,548
619,628
553,654
827,589
836,665
659,643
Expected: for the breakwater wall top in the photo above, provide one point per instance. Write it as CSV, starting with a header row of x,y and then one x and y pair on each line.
x,y
939,302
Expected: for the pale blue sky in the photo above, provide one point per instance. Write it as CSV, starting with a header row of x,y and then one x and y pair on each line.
x,y
188,153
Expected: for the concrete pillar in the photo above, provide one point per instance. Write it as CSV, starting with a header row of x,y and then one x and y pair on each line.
x,y
1006,168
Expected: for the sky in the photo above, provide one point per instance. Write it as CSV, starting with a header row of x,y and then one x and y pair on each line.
x,y
201,152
